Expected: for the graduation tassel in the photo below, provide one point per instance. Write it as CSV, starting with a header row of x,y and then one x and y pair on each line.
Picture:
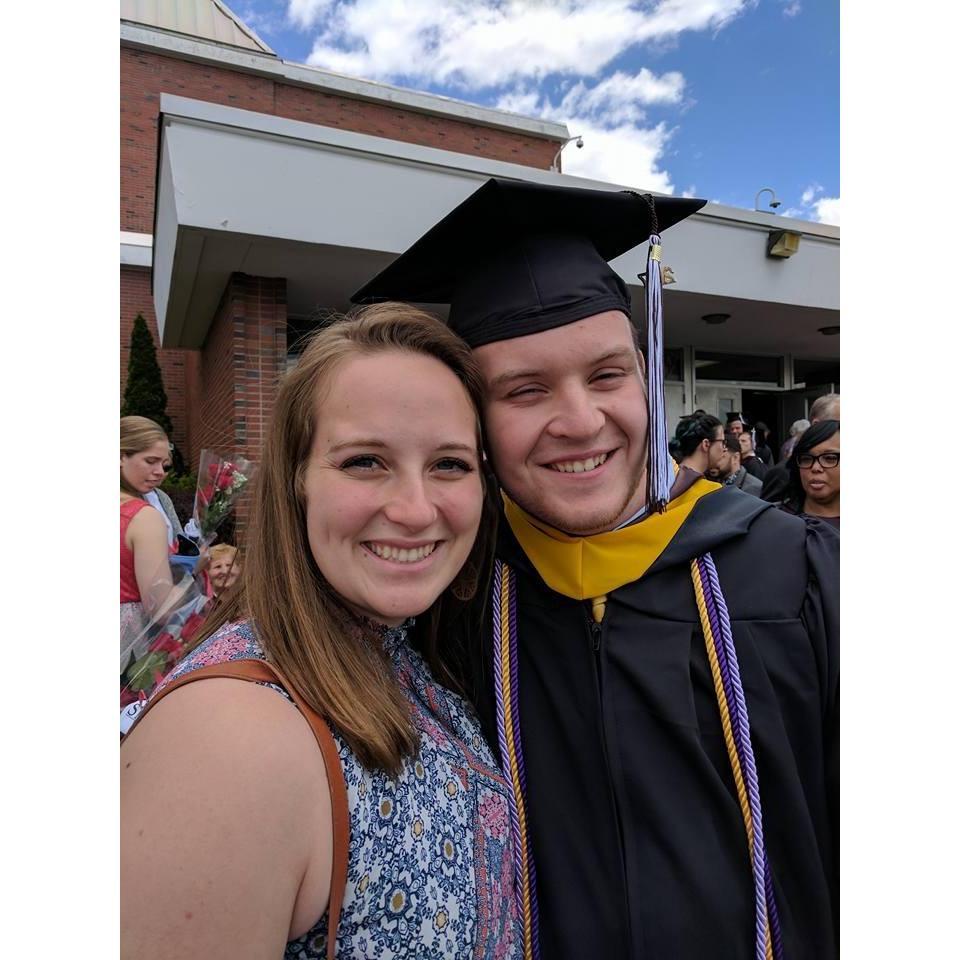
x,y
659,470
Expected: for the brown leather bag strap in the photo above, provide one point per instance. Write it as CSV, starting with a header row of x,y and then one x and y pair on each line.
x,y
260,670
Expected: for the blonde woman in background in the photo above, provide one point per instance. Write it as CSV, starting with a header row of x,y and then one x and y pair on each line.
x,y
145,579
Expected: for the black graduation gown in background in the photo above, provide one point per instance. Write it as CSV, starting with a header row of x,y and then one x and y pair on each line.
x,y
638,839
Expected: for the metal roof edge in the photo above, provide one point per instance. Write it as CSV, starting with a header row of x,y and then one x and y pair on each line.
x,y
244,28
249,61
202,111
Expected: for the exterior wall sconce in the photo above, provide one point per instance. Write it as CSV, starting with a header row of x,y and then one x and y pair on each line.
x,y
715,318
829,331
774,202
782,244
555,166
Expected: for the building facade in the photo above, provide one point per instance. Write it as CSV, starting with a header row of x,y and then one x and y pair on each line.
x,y
258,194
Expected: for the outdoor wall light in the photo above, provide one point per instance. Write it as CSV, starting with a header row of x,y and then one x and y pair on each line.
x,y
555,166
829,331
715,318
774,202
782,244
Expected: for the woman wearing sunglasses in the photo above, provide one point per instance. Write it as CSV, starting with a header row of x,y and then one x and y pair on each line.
x,y
814,471
145,578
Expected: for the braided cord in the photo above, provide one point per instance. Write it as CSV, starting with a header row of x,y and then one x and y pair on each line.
x,y
498,641
725,670
533,927
508,733
724,709
715,598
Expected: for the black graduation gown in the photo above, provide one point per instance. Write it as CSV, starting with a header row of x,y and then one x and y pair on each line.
x,y
639,844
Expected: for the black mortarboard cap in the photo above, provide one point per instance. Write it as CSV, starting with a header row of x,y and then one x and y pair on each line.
x,y
517,258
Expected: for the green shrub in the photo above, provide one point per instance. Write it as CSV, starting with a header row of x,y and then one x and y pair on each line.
x,y
144,395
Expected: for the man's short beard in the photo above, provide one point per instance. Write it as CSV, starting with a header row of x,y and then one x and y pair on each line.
x,y
599,524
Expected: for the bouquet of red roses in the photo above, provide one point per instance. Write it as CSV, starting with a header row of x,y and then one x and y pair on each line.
x,y
219,482
160,646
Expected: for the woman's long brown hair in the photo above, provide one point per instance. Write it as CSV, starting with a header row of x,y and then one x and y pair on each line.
x,y
299,620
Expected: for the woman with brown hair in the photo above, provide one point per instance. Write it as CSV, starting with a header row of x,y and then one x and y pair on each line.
x,y
371,509
145,579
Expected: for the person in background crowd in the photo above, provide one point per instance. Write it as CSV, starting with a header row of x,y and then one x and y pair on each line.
x,y
748,456
777,481
145,578
814,489
730,472
164,504
699,438
371,509
796,428
826,407
736,423
600,679
761,443
223,568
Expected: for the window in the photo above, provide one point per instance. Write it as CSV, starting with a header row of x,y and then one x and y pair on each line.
x,y
816,373
739,368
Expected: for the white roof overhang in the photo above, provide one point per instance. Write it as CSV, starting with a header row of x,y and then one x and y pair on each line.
x,y
326,208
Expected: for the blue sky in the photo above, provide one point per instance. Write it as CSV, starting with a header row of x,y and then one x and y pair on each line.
x,y
708,98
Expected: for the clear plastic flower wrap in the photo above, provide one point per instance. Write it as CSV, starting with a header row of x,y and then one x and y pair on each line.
x,y
155,645
153,652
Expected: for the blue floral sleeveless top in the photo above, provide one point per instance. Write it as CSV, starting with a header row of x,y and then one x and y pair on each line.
x,y
430,871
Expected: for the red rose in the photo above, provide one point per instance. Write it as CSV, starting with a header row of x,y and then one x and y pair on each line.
x,y
167,643
190,628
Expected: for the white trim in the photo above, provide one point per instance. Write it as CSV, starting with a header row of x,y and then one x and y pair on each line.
x,y
191,48
136,249
203,111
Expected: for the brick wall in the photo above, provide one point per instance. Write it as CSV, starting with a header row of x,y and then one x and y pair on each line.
x,y
144,75
174,364
240,366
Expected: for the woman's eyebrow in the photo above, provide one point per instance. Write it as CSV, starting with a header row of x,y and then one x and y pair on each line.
x,y
464,447
359,442
371,443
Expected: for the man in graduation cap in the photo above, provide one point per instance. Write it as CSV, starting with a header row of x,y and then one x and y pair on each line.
x,y
665,702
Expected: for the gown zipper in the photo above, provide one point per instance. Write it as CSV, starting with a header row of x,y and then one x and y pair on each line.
x,y
596,637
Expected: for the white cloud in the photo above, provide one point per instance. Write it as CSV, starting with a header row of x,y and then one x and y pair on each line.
x,y
624,154
535,57
305,13
822,209
691,191
488,44
266,22
827,210
615,148
792,8
617,98
521,100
